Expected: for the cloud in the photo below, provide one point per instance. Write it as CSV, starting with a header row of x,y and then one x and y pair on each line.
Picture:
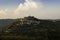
x,y
2,13
31,8
36,8
28,8
5,13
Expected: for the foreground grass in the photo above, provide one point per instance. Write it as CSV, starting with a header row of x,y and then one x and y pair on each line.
x,y
20,38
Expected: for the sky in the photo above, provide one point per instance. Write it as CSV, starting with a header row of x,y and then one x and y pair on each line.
x,y
43,9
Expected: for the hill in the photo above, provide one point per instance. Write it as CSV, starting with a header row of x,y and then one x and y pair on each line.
x,y
33,28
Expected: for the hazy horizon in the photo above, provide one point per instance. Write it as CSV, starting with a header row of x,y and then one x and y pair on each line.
x,y
42,9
